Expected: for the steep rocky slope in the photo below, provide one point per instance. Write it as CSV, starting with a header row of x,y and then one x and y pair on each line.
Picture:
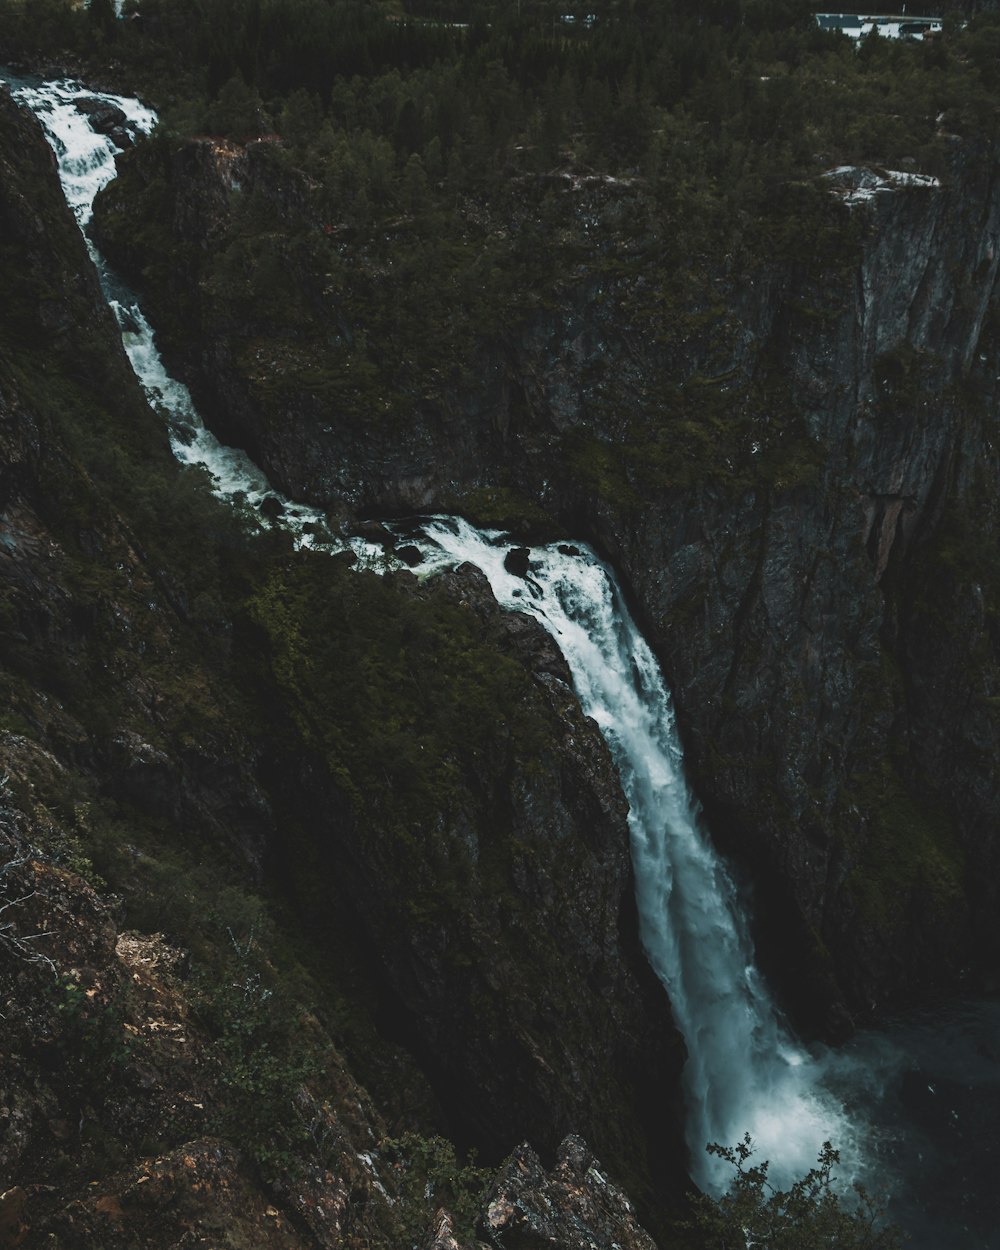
x,y
109,1130
837,637
788,454
183,969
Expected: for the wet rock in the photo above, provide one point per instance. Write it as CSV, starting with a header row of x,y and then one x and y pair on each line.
x,y
517,561
373,532
106,119
573,1206
410,555
272,507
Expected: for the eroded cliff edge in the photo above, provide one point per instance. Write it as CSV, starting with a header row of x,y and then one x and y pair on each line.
x,y
787,451
165,757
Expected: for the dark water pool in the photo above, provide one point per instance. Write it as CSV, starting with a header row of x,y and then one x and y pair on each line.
x,y
930,1086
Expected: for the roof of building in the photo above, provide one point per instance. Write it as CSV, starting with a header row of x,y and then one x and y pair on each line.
x,y
837,21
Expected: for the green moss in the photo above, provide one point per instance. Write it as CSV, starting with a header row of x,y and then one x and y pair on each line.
x,y
504,508
909,846
602,468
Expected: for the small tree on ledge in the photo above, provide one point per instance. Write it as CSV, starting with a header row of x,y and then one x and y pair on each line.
x,y
811,1215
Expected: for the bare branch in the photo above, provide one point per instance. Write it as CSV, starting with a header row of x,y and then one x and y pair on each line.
x,y
19,945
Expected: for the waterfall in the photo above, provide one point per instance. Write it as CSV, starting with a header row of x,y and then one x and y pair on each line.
x,y
745,1073
86,159
86,165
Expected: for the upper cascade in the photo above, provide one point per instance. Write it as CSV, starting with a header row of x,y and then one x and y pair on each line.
x,y
86,162
86,158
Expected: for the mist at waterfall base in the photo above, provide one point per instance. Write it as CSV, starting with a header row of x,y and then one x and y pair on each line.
x,y
934,1082
912,1108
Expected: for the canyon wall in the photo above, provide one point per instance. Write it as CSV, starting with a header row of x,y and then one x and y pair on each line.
x,y
231,920
787,451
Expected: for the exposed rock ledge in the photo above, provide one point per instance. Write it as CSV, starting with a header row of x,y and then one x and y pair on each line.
x,y
573,1205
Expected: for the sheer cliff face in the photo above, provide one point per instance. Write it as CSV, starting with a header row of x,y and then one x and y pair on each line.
x,y
831,646
790,460
148,729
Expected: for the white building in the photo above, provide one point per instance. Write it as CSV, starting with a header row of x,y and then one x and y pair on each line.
x,y
889,26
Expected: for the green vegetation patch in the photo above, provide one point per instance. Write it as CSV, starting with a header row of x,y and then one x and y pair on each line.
x,y
386,683
910,846
403,695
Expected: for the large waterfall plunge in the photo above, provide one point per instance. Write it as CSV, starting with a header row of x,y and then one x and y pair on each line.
x,y
745,1073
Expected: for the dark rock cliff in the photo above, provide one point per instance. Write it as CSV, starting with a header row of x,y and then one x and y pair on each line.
x,y
494,894
155,741
831,645
789,457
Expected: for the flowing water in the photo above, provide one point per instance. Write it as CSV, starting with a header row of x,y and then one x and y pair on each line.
x,y
744,1072
912,1107
86,165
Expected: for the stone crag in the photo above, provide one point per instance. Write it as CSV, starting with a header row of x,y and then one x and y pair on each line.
x,y
831,660
500,924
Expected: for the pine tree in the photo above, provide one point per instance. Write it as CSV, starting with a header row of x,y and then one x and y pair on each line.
x,y
102,16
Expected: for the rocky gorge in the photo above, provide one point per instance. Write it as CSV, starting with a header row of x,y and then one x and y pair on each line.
x,y
351,862
812,560
164,777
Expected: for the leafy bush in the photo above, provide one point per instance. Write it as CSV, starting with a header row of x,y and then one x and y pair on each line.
x,y
263,1060
811,1215
93,1045
429,1176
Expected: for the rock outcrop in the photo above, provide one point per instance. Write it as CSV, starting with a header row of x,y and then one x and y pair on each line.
x,y
829,644
501,923
574,1204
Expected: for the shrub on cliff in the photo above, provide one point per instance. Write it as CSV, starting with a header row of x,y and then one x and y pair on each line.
x,y
810,1215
